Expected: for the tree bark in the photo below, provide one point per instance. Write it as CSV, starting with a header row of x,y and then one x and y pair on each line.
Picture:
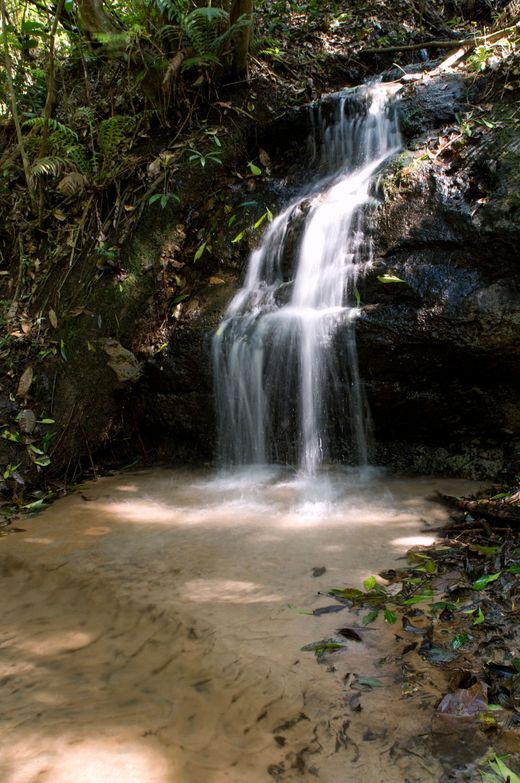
x,y
94,19
243,38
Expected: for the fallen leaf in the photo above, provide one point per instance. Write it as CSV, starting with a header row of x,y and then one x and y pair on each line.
x,y
25,381
53,319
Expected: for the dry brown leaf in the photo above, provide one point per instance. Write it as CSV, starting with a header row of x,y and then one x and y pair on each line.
x,y
265,160
53,319
216,281
25,381
72,184
26,327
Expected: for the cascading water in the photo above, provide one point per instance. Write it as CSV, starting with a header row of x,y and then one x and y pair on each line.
x,y
281,383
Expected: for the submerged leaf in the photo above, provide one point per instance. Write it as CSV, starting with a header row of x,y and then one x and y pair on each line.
x,y
484,581
372,682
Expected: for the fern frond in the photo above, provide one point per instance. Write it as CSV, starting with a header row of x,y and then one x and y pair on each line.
x,y
173,9
49,166
202,28
77,154
112,132
240,24
200,61
55,127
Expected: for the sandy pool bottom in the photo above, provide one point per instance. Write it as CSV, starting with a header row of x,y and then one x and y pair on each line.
x,y
152,632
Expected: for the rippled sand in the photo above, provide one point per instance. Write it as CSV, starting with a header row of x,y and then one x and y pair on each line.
x,y
151,632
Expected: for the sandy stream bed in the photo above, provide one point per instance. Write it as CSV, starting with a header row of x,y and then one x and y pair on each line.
x,y
150,633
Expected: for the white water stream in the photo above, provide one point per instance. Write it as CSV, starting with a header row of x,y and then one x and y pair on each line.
x,y
281,386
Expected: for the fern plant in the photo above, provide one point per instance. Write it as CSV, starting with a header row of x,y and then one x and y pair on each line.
x,y
207,30
112,132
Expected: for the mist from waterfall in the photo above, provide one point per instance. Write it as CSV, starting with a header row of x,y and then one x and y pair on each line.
x,y
282,382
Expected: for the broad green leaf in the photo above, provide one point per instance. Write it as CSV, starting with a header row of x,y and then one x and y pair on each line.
x,y
373,682
369,583
255,171
484,581
506,774
238,237
484,550
514,569
370,617
390,617
479,618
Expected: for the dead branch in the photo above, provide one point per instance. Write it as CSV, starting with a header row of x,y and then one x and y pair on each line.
x,y
470,43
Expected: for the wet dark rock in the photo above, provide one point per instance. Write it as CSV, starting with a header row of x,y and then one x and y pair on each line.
x,y
439,353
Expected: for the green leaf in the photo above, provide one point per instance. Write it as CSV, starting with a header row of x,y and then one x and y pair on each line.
x,y
505,774
390,617
254,170
180,298
515,663
417,599
494,707
63,352
479,618
43,461
484,581
389,279
514,569
238,237
322,646
369,583
200,251
348,593
46,421
372,682
484,550
370,617
459,641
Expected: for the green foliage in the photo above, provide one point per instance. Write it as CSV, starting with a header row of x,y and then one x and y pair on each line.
x,y
112,132
59,134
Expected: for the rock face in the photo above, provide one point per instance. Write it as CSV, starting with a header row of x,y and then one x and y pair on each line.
x,y
439,353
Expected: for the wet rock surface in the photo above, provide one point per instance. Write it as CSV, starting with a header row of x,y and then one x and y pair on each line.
x,y
439,352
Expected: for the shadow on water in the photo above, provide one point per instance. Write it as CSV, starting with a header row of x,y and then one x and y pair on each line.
x,y
151,634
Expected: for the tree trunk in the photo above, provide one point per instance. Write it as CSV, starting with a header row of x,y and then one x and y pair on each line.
x,y
94,19
243,38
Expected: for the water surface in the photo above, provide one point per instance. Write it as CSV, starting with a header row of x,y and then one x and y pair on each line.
x,y
152,630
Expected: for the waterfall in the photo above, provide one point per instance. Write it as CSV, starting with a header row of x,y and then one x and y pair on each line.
x,y
282,382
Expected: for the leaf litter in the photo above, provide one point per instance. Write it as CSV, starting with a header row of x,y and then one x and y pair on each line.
x,y
455,606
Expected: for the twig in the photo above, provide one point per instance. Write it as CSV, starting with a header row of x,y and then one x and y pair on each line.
x,y
443,44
